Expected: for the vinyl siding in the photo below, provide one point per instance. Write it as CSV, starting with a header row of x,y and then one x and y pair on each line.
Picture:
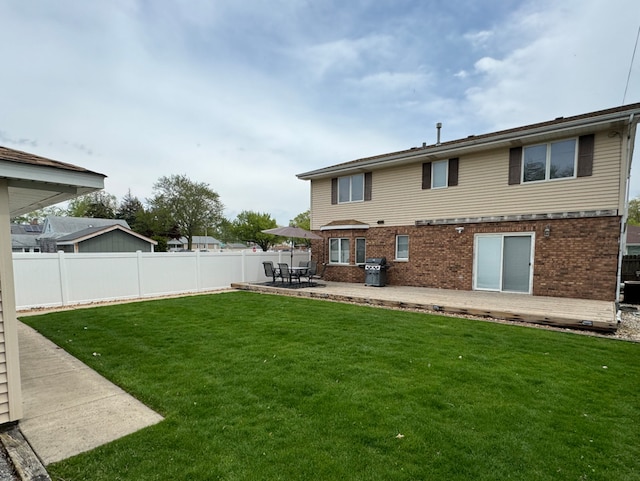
x,y
114,241
10,390
4,397
483,190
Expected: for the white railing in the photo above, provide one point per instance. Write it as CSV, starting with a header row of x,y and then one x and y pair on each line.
x,y
54,280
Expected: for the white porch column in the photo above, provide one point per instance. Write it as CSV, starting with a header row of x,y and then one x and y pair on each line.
x,y
10,389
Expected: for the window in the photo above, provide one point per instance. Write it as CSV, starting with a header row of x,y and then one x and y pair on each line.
x,y
402,247
558,163
439,174
339,251
351,188
361,252
443,173
556,160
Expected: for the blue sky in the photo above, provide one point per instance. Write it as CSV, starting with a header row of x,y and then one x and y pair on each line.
x,y
244,95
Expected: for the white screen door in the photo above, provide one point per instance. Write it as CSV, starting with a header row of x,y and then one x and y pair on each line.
x,y
503,262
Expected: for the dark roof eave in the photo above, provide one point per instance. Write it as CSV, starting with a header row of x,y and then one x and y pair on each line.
x,y
480,142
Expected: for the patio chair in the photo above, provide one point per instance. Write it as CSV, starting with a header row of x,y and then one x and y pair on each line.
x,y
270,271
312,271
286,273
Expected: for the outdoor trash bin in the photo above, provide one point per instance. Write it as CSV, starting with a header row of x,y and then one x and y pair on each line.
x,y
632,292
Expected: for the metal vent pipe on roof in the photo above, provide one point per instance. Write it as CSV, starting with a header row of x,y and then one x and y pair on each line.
x,y
438,127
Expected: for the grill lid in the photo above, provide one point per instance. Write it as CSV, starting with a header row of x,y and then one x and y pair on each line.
x,y
378,261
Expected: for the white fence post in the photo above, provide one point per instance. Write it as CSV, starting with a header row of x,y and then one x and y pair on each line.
x,y
64,288
139,272
243,266
198,278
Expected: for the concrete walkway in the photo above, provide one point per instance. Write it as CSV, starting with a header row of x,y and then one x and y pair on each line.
x,y
68,407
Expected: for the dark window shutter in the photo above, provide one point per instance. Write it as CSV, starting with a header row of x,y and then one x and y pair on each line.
x,y
515,165
585,155
426,175
334,190
453,172
367,186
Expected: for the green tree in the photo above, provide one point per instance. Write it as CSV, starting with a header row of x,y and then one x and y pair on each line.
x,y
634,212
99,205
191,206
39,215
129,208
249,225
224,231
302,220
158,226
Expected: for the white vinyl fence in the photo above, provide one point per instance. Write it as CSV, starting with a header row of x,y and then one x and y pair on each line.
x,y
54,280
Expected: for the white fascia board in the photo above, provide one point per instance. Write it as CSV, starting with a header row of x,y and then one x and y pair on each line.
x,y
105,231
50,175
344,227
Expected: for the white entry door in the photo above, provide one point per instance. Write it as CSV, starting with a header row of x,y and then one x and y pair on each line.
x,y
503,262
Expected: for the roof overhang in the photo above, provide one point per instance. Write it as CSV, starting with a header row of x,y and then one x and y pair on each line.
x,y
35,185
612,119
350,224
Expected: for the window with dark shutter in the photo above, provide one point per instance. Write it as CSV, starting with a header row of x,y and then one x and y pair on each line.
x,y
585,155
453,172
515,166
426,175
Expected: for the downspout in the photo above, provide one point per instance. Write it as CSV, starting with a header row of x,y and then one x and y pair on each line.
x,y
625,211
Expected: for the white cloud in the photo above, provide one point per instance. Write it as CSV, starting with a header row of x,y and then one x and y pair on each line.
x,y
479,39
568,67
343,55
244,95
391,81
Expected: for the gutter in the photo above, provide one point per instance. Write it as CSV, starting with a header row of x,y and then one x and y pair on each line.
x,y
625,212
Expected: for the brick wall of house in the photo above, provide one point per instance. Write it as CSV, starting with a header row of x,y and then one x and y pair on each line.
x,y
579,258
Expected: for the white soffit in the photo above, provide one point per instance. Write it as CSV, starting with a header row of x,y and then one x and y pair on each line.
x,y
32,186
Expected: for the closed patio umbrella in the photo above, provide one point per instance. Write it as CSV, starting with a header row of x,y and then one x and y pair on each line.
x,y
292,232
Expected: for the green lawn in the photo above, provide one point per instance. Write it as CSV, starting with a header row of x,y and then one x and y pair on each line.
x,y
260,387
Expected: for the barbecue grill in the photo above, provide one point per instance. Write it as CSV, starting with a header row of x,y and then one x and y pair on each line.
x,y
375,271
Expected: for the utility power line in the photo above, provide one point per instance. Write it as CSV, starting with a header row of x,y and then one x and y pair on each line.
x,y
624,97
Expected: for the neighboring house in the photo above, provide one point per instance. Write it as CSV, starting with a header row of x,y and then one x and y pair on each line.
x,y
24,237
235,246
198,243
535,209
27,183
86,234
632,246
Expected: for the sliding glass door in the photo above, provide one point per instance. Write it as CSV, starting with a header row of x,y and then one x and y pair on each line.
x,y
503,262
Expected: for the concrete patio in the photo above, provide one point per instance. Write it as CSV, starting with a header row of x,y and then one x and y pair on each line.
x,y
551,311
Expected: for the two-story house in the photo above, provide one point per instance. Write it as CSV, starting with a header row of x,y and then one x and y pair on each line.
x,y
538,209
